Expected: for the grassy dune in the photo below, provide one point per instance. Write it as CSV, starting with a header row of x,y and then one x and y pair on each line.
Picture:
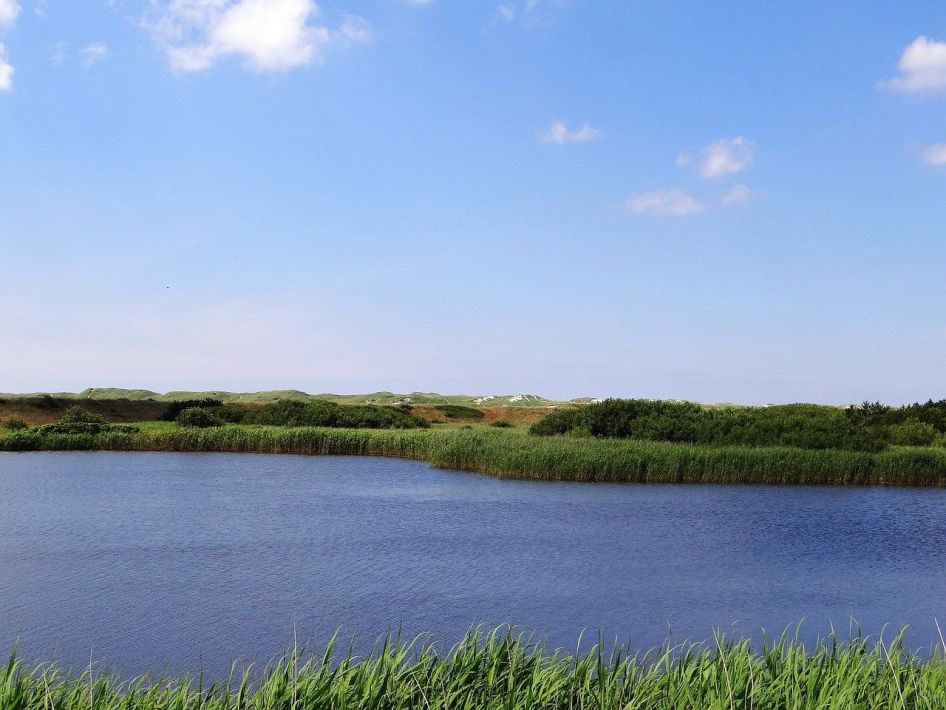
x,y
512,454
499,670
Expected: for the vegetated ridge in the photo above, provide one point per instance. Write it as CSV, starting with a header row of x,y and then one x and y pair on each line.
x,y
384,398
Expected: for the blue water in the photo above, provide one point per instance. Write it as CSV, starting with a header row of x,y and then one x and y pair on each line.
x,y
176,562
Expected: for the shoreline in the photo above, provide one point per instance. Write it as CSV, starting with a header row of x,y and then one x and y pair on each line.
x,y
517,455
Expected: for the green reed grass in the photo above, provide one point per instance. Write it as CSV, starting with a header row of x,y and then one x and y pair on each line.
x,y
512,454
503,671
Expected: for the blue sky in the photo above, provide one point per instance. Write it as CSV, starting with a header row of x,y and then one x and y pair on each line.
x,y
710,201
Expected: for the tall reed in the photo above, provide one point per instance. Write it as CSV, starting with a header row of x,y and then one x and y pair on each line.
x,y
514,455
503,670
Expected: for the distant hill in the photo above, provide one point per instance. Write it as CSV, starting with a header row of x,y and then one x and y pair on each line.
x,y
391,398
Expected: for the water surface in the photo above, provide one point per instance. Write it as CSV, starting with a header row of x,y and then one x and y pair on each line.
x,y
154,561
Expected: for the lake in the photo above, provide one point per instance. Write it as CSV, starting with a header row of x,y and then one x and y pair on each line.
x,y
165,561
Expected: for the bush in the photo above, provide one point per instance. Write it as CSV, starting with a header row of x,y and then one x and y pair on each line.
x,y
558,422
196,418
79,422
175,408
501,424
912,433
77,415
16,424
329,414
806,426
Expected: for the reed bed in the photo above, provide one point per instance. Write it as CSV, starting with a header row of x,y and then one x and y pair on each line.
x,y
515,455
501,670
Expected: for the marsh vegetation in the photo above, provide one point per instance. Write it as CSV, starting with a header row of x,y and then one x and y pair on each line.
x,y
502,670
616,440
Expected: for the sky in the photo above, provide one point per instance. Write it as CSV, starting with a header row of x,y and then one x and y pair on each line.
x,y
713,201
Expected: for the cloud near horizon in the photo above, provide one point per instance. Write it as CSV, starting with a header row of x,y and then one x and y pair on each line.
x,y
922,68
270,35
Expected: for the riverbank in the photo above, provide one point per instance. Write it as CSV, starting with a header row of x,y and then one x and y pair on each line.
x,y
514,454
500,670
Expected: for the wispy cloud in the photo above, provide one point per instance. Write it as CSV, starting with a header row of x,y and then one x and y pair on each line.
x,y
95,52
737,195
934,154
506,12
531,13
722,157
271,35
922,68
559,133
665,202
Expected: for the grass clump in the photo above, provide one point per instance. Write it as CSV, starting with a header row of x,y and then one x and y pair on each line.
x,y
500,669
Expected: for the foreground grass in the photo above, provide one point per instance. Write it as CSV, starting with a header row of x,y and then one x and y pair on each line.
x,y
500,670
511,454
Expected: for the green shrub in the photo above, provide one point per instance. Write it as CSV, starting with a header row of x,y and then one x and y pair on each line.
x,y
806,426
501,424
196,418
75,420
77,415
328,414
175,408
16,424
912,433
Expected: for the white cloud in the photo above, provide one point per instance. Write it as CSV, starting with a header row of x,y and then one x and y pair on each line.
x,y
94,52
666,202
9,9
506,12
530,13
737,195
934,154
272,35
722,157
922,68
559,133
6,70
